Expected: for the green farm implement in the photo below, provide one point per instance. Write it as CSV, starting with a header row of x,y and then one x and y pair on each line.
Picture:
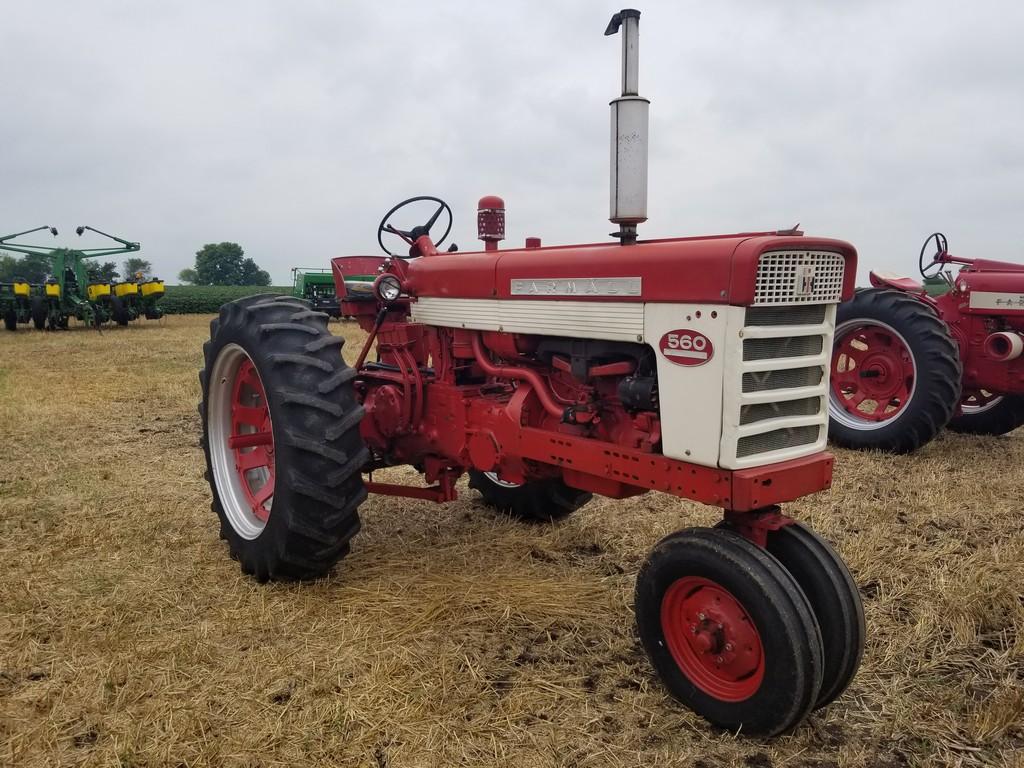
x,y
68,292
317,287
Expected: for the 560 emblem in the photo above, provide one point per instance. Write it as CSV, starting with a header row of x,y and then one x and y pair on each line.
x,y
686,347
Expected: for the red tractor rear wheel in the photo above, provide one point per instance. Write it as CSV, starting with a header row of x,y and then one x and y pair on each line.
x,y
281,437
986,413
895,378
729,631
543,501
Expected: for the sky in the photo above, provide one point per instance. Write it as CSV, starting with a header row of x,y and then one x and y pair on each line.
x,y
292,127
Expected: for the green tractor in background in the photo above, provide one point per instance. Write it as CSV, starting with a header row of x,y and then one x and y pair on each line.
x,y
317,287
69,292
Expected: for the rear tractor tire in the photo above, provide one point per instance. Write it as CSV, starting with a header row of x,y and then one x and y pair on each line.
x,y
281,438
729,631
539,501
896,373
985,413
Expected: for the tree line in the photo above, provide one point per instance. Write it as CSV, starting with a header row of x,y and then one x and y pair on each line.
x,y
215,264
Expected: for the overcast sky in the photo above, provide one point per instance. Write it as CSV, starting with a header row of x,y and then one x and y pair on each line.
x,y
291,127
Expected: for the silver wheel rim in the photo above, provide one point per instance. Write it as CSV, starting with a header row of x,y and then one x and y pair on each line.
x,y
838,412
218,425
493,477
974,410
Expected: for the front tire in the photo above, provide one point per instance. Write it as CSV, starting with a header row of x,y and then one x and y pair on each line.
x,y
541,501
834,599
281,438
988,414
10,320
896,373
729,631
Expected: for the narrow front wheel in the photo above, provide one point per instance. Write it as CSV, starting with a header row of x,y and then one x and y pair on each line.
x,y
729,631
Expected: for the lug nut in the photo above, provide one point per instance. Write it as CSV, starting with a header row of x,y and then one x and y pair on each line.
x,y
728,646
701,616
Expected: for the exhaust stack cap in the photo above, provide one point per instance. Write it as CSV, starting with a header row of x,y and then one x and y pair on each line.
x,y
628,186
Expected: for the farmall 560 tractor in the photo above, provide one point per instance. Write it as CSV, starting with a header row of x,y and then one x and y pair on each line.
x,y
906,363
696,367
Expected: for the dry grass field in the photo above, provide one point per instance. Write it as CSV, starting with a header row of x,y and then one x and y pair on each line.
x,y
449,636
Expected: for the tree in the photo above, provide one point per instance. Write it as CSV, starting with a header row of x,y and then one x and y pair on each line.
x,y
33,267
188,276
8,267
253,275
101,273
134,265
225,264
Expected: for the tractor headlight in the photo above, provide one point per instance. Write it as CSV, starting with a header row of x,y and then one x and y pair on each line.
x,y
387,287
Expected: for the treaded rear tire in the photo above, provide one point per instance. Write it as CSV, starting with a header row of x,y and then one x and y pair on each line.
x,y
540,501
938,373
319,452
1005,416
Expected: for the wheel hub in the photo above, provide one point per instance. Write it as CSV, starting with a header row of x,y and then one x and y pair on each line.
x,y
712,639
873,374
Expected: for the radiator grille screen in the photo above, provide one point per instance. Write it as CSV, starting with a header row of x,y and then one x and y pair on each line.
x,y
788,346
799,277
805,315
759,381
806,406
777,439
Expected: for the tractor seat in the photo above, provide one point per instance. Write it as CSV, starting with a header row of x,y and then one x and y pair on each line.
x,y
359,290
892,280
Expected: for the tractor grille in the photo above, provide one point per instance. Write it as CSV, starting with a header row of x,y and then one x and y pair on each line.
x,y
780,388
799,277
800,315
777,439
807,406
785,379
788,346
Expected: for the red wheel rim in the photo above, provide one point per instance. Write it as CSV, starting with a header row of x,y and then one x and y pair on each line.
x,y
978,400
252,440
712,639
873,373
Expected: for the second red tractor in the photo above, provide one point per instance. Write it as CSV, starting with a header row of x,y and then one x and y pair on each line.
x,y
907,363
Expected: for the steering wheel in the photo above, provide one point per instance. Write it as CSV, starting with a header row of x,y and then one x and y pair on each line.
x,y
941,247
413,234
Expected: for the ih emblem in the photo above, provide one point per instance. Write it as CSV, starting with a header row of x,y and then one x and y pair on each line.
x,y
686,347
805,280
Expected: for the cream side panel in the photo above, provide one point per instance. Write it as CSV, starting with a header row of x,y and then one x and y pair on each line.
x,y
610,320
690,396
994,300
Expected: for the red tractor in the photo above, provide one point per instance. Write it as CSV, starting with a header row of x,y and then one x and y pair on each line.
x,y
908,362
696,367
